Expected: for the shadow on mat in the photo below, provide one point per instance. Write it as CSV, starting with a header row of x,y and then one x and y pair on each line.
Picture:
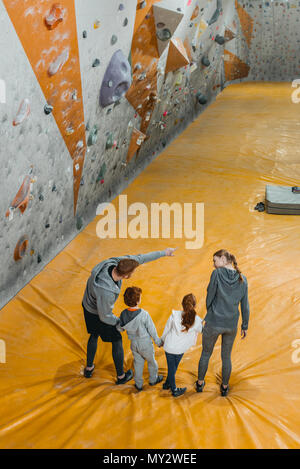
x,y
69,380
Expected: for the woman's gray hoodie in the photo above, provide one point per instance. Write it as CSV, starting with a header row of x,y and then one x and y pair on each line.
x,y
102,292
224,293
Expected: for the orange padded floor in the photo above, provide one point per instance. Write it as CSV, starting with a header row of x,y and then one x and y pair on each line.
x,y
247,138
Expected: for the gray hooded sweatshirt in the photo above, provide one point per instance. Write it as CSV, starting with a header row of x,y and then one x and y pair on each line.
x,y
139,326
224,294
102,292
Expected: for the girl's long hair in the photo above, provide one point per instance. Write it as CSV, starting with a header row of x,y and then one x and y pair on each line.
x,y
230,258
189,313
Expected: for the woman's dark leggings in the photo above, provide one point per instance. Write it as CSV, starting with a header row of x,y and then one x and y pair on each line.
x,y
117,353
173,362
209,339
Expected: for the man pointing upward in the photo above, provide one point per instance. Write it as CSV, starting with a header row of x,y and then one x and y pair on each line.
x,y
102,290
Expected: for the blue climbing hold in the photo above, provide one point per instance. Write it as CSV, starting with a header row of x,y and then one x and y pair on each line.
x,y
117,79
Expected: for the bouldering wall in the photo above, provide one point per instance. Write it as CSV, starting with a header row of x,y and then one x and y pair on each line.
x,y
95,90
268,39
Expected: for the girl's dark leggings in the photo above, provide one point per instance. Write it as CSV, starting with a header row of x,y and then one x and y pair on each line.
x,y
117,353
209,339
173,362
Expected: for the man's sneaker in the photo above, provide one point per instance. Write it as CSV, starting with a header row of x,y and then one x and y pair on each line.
x,y
166,385
224,391
128,376
158,380
178,392
139,389
88,373
200,387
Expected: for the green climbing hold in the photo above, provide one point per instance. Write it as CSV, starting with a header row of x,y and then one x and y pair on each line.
x,y
164,34
101,173
79,223
205,61
93,136
96,63
113,39
220,39
201,98
109,141
48,109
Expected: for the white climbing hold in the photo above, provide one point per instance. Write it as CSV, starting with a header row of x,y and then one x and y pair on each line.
x,y
11,213
23,112
59,62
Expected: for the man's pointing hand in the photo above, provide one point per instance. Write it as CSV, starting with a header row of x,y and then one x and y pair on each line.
x,y
170,251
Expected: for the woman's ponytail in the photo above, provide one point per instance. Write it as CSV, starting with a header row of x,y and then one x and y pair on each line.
x,y
234,262
189,313
230,258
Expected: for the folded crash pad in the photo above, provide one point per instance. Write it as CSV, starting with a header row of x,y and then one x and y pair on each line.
x,y
282,200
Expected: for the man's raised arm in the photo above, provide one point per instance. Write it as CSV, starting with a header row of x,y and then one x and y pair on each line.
x,y
151,256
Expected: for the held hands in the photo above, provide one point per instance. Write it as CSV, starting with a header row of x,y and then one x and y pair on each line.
x,y
243,334
170,251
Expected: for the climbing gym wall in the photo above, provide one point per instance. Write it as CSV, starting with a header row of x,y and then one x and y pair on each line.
x,y
271,39
94,90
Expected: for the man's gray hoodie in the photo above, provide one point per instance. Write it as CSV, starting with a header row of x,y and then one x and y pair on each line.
x,y
102,292
139,326
224,293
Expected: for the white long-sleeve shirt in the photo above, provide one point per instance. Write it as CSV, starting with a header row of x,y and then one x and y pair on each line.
x,y
176,339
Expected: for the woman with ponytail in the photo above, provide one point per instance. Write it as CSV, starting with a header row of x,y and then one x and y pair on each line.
x,y
180,334
226,290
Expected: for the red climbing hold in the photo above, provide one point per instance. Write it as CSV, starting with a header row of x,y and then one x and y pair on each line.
x,y
55,16
23,112
21,248
22,198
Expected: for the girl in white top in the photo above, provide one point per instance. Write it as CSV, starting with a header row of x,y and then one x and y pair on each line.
x,y
179,335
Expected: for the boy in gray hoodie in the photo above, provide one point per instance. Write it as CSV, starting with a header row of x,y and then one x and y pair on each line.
x,y
140,329
102,290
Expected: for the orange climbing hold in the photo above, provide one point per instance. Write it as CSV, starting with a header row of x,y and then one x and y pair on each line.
x,y
195,13
55,16
234,67
141,13
142,94
229,35
21,248
22,198
246,21
137,138
177,56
